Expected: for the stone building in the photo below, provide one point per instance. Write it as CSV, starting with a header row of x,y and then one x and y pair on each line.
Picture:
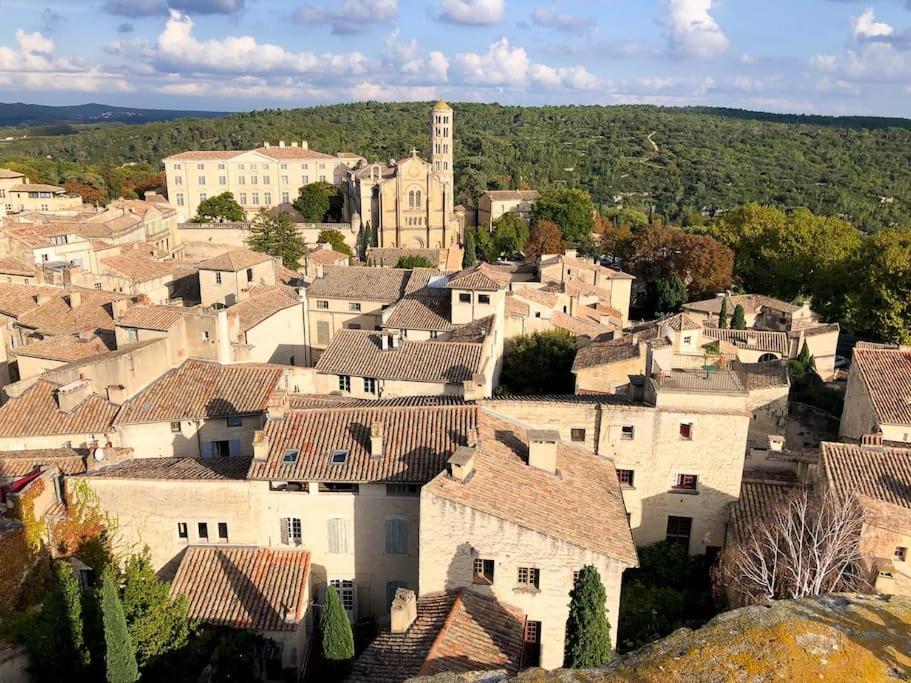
x,y
228,278
878,396
494,203
18,193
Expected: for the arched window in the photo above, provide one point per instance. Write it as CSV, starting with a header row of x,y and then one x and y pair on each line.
x,y
417,200
411,199
766,357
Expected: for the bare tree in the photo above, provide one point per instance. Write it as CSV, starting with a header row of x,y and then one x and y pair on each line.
x,y
806,544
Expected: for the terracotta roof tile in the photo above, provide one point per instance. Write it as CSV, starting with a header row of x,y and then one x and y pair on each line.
x,y
359,353
751,303
12,266
339,401
203,155
137,266
8,174
36,187
234,261
481,277
266,303
758,340
681,321
291,153
886,374
581,504
354,282
67,347
421,313
757,499
881,473
35,413
577,325
195,469
327,257
262,589
21,463
58,316
417,441
147,317
505,195
16,300
203,389
516,308
605,352
764,375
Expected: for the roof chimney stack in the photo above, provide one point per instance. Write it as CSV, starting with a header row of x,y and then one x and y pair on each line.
x,y
542,449
305,144
875,439
376,439
260,446
461,463
266,144
404,610
281,143
71,395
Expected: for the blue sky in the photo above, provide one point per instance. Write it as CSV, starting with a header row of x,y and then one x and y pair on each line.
x,y
807,56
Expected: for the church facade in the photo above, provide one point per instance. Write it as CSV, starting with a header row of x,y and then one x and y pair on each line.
x,y
409,203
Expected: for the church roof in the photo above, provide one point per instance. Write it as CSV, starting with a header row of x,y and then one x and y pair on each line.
x,y
441,106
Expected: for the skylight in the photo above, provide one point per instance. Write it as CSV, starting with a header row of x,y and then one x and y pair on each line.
x,y
290,456
338,457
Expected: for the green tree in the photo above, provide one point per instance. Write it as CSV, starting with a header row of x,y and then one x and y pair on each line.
x,y
336,240
157,623
803,365
414,262
881,309
539,364
723,314
544,238
485,245
337,639
120,656
510,232
470,255
571,209
277,235
666,294
318,202
71,594
222,207
588,641
738,320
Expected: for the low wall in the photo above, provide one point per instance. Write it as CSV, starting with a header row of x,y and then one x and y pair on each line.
x,y
236,234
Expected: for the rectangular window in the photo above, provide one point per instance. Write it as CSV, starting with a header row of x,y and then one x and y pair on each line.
x,y
175,427
132,334
679,529
344,383
265,180
256,199
223,531
626,477
901,553
577,434
322,304
234,420
322,332
200,167
241,180
354,307
285,198
483,298
687,339
178,180
202,530
201,180
369,385
284,180
291,531
338,535
345,590
305,180
465,297
249,275
217,278
687,482
254,180
686,430
531,644
243,198
403,490
221,167
529,577
396,537
483,572
179,199
182,530
222,180
627,432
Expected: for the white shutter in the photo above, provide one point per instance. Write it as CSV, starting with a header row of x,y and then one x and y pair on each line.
x,y
284,530
338,535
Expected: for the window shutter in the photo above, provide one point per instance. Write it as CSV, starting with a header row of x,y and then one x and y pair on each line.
x,y
208,449
396,536
234,448
338,536
284,528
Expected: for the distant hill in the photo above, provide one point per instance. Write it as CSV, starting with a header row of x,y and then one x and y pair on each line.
x,y
20,114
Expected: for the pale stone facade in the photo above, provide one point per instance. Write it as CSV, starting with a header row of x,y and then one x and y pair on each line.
x,y
495,203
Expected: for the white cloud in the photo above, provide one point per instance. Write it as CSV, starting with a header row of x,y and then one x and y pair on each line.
x,y
34,43
878,62
691,31
408,59
571,77
552,16
866,26
475,12
366,90
353,16
179,50
747,59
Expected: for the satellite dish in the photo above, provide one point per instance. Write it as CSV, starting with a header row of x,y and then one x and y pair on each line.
x,y
99,454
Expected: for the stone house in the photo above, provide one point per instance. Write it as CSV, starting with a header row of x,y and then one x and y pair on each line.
x,y
16,271
878,395
53,352
613,286
271,327
228,278
494,203
515,514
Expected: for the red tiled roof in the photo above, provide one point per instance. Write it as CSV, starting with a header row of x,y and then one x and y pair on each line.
x,y
262,589
203,389
234,261
16,300
266,303
881,473
353,282
36,187
137,266
757,500
58,316
604,352
195,469
66,347
12,266
480,277
886,373
21,463
417,441
35,413
581,504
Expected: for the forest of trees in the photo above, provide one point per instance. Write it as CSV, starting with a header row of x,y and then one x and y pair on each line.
x,y
701,160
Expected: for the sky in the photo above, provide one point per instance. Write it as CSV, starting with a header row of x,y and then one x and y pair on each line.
x,y
801,56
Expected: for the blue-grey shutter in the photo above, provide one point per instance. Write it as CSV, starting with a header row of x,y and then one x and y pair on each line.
x,y
396,536
234,448
208,449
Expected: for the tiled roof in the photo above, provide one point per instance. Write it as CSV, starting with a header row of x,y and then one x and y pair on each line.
x,y
57,315
203,389
886,373
682,321
16,300
291,153
481,277
12,266
577,325
610,273
203,155
427,281
20,463
757,499
251,312
538,296
147,317
66,347
262,589
453,633
36,187
712,381
326,257
353,282
882,473
751,304
359,353
338,401
764,375
7,174
137,266
505,195
421,313
604,352
757,340
472,332
516,308
593,398
35,413
235,260
195,469
815,330
581,504
417,441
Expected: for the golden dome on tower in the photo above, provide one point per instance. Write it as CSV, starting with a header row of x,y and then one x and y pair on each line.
x,y
441,106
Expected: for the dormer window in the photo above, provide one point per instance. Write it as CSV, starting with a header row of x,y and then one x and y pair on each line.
x,y
290,456
339,457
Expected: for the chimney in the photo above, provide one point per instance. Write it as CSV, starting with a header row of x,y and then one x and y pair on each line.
x,y
42,299
542,449
394,340
71,395
266,144
85,335
404,610
277,405
461,463
119,307
281,143
260,446
320,272
294,143
376,439
305,144
776,443
875,439
384,341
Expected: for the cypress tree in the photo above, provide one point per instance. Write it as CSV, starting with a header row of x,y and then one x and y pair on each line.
x,y
723,314
738,320
120,656
72,600
338,641
588,642
470,257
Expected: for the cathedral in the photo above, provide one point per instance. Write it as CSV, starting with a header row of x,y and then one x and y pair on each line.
x,y
408,203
